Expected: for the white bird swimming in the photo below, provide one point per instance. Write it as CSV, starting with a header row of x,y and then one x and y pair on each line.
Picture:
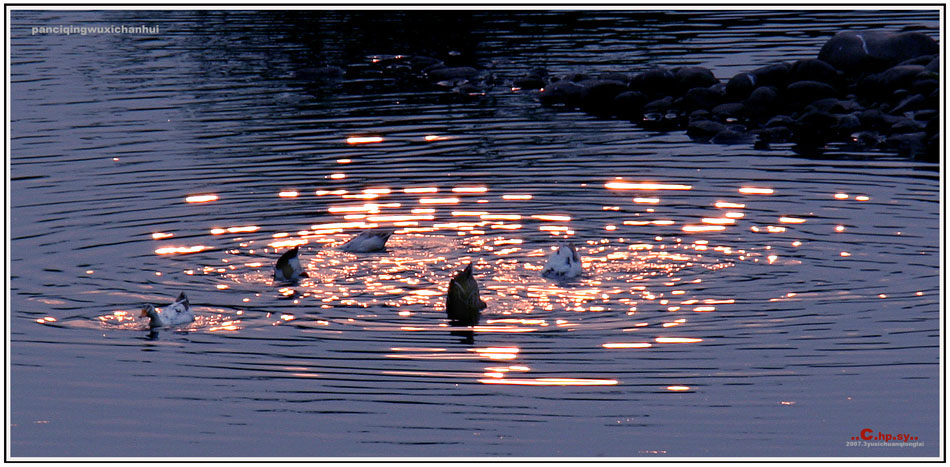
x,y
564,263
367,241
172,315
288,267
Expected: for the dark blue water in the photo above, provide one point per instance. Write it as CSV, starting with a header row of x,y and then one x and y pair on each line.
x,y
711,320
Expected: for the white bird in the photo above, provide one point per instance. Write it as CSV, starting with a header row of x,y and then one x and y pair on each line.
x,y
172,315
564,263
367,241
288,267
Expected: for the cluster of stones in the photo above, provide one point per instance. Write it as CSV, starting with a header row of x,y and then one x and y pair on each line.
x,y
870,89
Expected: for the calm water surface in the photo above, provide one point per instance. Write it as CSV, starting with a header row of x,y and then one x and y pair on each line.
x,y
735,302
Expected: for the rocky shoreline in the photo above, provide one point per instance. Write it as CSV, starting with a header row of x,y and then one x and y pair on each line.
x,y
866,90
870,89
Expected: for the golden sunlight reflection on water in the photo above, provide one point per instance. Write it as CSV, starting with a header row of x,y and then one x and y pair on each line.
x,y
637,270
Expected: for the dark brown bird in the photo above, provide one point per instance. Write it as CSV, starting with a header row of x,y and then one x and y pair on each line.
x,y
462,303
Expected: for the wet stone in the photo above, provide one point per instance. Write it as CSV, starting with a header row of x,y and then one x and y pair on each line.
x,y
813,70
629,104
868,51
772,75
740,86
805,92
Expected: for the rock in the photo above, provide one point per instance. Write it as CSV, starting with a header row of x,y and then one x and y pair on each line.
x,y
775,134
703,129
772,75
577,77
731,136
419,62
924,85
894,78
868,51
700,114
847,124
835,106
615,76
875,120
453,74
740,86
728,110
698,98
629,105
922,60
467,89
763,102
907,125
913,102
655,82
780,120
813,70
869,139
862,85
815,127
801,93
927,115
659,105
908,143
405,64
534,79
933,65
562,92
598,95
689,77
660,121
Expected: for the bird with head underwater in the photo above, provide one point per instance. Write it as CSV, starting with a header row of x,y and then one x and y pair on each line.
x,y
462,304
288,268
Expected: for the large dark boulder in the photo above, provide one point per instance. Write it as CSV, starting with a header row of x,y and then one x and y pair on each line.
x,y
870,51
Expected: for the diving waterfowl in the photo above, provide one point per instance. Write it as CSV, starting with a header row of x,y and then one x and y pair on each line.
x,y
172,315
367,241
462,303
288,267
564,263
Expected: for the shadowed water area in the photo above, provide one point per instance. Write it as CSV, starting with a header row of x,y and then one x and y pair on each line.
x,y
734,301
